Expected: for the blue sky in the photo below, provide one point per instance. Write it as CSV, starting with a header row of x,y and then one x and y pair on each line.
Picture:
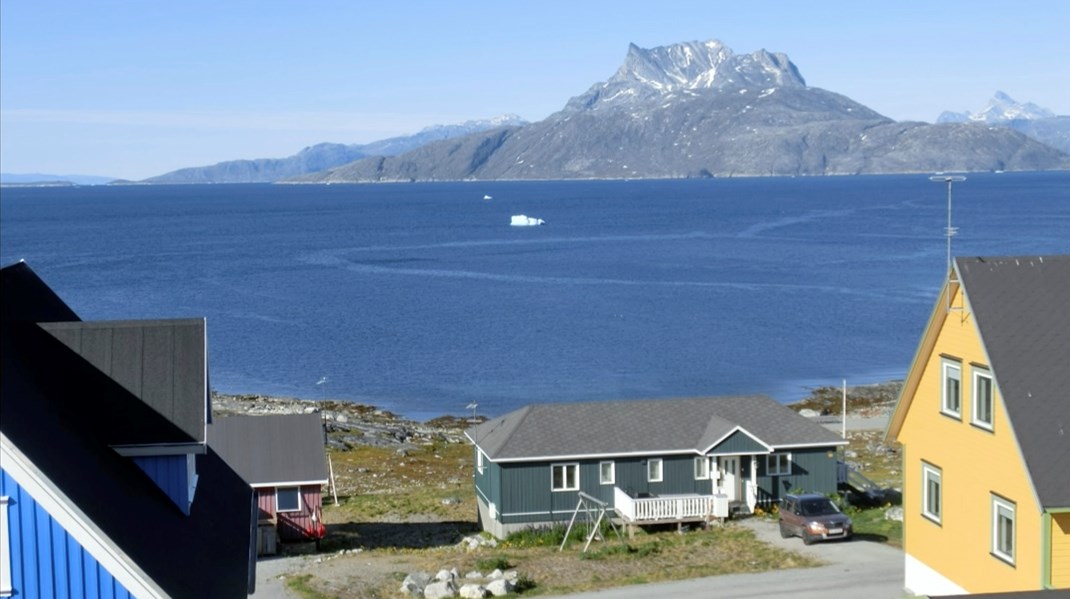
x,y
133,89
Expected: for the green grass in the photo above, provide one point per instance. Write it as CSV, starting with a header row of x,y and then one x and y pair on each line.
x,y
870,523
300,584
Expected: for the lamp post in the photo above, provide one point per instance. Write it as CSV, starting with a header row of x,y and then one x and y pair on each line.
x,y
949,231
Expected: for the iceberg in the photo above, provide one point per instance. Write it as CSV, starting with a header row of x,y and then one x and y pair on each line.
x,y
521,220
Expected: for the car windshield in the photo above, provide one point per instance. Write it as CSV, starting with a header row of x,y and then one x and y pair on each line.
x,y
818,507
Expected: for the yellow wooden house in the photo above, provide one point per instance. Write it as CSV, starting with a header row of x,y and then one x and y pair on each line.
x,y
984,420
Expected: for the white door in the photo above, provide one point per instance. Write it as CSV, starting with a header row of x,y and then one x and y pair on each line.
x,y
728,468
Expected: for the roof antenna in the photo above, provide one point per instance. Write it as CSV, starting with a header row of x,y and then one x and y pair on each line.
x,y
950,231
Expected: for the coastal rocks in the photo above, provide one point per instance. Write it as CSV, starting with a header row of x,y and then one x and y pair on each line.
x,y
475,585
474,542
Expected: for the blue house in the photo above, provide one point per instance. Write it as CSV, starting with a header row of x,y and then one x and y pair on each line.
x,y
108,487
651,461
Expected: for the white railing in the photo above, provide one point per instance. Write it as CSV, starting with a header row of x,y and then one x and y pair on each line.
x,y
654,509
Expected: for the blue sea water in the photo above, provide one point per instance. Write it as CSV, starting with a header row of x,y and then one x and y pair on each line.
x,y
421,299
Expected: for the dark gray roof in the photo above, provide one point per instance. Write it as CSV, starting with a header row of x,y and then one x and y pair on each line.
x,y
162,362
1022,310
66,416
604,428
272,450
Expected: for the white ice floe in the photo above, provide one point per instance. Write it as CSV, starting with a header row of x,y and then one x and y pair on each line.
x,y
520,220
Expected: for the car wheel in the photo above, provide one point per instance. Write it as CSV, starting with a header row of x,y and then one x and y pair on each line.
x,y
807,539
784,532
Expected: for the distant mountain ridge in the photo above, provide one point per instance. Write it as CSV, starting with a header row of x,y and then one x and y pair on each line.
x,y
323,156
34,179
699,110
1038,123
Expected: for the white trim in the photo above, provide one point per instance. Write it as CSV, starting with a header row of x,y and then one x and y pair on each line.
x,y
982,373
779,471
300,500
480,460
73,520
734,431
997,551
920,579
945,363
289,483
612,473
517,514
661,470
675,452
566,486
705,461
161,449
806,445
926,470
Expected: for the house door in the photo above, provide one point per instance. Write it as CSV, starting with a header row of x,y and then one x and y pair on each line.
x,y
728,467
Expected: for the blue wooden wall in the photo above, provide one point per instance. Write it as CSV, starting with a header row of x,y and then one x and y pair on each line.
x,y
171,474
45,560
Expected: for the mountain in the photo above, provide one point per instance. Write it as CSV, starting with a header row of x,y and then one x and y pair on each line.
x,y
696,110
1038,123
324,156
29,179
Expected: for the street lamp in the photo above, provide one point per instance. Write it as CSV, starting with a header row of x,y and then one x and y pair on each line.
x,y
949,231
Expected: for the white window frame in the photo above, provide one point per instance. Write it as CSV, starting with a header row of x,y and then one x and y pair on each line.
x,y
946,365
778,464
980,374
655,470
999,506
602,478
934,473
278,508
479,461
5,555
565,468
702,468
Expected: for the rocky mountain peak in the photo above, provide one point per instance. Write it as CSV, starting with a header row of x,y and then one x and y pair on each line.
x,y
688,68
1000,109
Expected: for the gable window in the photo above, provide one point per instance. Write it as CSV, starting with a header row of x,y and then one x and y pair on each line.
x,y
778,464
932,496
982,399
702,468
606,473
288,499
566,477
951,395
653,470
1003,529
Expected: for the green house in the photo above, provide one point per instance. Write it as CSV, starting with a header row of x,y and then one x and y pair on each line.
x,y
651,461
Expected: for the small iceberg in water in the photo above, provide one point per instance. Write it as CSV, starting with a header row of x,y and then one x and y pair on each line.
x,y
520,220
487,197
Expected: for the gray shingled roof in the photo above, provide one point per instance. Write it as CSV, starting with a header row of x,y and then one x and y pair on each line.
x,y
604,428
272,450
1022,310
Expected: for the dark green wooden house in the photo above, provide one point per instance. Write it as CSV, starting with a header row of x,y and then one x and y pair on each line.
x,y
671,460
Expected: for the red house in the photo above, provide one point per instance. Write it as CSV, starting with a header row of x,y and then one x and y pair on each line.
x,y
283,459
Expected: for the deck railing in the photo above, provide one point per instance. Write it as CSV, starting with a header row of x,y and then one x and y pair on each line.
x,y
662,509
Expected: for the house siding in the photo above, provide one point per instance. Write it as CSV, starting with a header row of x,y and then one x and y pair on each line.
x,y
292,526
45,560
1060,551
974,464
738,443
812,471
171,474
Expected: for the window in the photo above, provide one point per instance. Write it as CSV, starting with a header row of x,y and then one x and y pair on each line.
x,y
951,396
479,461
1003,529
566,477
288,499
931,492
606,473
778,464
653,470
702,468
982,399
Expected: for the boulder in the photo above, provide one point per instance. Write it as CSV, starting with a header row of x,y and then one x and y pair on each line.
x,y
440,590
500,587
473,591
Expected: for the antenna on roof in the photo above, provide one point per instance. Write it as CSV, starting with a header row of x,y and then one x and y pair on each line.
x,y
950,231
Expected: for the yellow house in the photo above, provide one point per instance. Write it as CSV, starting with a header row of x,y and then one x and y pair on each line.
x,y
984,420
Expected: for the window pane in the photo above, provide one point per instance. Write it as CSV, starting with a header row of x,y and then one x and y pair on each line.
x,y
983,393
571,475
952,388
559,477
606,473
287,499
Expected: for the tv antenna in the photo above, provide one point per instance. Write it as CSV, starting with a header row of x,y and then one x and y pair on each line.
x,y
950,231
472,406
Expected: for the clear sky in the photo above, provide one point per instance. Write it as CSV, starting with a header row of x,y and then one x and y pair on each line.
x,y
138,88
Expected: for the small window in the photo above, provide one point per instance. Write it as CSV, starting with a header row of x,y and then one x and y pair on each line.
x,y
778,464
566,477
288,499
931,492
479,461
606,473
951,396
702,468
653,470
1003,529
982,399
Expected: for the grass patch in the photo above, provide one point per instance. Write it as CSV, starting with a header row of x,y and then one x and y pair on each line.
x,y
301,585
871,524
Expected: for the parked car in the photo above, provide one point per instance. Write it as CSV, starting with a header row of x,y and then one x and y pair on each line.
x,y
813,517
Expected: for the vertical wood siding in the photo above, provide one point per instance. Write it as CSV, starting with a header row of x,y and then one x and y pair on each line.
x,y
812,471
170,473
45,560
1060,551
292,526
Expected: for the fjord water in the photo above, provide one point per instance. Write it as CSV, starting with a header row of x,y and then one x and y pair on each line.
x,y
421,299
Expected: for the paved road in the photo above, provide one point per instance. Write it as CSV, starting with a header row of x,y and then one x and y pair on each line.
x,y
857,569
